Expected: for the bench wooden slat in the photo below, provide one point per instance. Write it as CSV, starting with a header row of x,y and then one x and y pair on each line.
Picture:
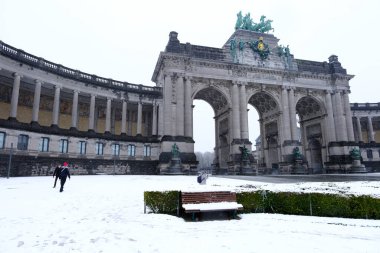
x,y
207,197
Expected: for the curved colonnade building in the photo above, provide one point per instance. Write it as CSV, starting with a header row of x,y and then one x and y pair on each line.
x,y
51,113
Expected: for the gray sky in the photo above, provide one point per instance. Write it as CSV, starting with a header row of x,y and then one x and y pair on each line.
x,y
121,39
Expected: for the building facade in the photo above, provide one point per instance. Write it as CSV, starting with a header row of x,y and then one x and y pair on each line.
x,y
51,113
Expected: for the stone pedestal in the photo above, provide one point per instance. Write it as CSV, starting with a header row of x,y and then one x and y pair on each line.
x,y
175,167
246,168
299,167
357,167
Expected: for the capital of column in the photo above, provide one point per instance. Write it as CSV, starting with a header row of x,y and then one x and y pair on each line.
x,y
243,83
37,81
187,78
284,87
15,74
328,92
174,77
347,92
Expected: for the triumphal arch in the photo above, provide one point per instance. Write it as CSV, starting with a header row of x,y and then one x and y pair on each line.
x,y
303,105
52,113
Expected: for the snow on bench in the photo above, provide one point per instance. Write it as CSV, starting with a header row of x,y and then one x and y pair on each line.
x,y
197,202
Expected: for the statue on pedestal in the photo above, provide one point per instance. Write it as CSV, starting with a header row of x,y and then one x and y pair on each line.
x,y
357,166
175,151
175,166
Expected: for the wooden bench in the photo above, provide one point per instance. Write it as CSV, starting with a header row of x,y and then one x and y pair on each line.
x,y
197,202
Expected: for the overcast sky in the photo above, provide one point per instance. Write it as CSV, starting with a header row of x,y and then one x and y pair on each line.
x,y
122,39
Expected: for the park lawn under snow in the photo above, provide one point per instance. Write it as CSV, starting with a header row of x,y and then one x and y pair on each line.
x,y
106,214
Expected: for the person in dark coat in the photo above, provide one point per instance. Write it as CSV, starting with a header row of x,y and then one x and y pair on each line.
x,y
56,174
64,174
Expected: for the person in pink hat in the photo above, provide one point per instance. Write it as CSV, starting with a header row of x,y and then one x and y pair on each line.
x,y
64,174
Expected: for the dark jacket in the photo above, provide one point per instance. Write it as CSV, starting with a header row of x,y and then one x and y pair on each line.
x,y
57,171
64,172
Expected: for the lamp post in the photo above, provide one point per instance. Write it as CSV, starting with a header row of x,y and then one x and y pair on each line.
x,y
10,160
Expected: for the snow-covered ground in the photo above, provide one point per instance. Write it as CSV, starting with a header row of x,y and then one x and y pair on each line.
x,y
106,214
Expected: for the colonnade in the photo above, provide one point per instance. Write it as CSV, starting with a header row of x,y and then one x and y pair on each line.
x,y
371,132
74,112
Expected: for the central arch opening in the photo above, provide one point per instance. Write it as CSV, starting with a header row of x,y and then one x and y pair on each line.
x,y
310,114
268,149
211,126
204,133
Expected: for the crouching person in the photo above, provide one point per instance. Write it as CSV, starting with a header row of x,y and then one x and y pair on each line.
x,y
64,174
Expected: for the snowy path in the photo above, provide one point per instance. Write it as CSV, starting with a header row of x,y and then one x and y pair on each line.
x,y
105,214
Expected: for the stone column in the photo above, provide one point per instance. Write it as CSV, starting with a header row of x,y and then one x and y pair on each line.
x,y
91,116
188,108
180,107
347,110
167,110
359,129
262,137
340,121
74,110
371,136
108,116
235,111
146,125
285,114
56,105
15,95
36,101
139,118
160,119
154,119
330,119
124,117
292,115
243,113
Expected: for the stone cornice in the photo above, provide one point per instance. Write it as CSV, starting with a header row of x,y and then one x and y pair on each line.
x,y
237,70
65,72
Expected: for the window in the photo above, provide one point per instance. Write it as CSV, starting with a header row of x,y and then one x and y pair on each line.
x,y
2,140
82,147
22,143
369,154
44,144
115,149
64,146
146,150
131,150
99,148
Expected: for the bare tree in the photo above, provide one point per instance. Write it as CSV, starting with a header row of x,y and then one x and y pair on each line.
x,y
205,159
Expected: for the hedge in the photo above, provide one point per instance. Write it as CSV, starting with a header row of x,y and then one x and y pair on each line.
x,y
316,204
162,202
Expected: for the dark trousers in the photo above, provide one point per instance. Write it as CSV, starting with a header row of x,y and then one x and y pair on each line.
x,y
63,181
55,182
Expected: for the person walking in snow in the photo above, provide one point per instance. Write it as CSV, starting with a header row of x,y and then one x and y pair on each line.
x,y
64,174
56,174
